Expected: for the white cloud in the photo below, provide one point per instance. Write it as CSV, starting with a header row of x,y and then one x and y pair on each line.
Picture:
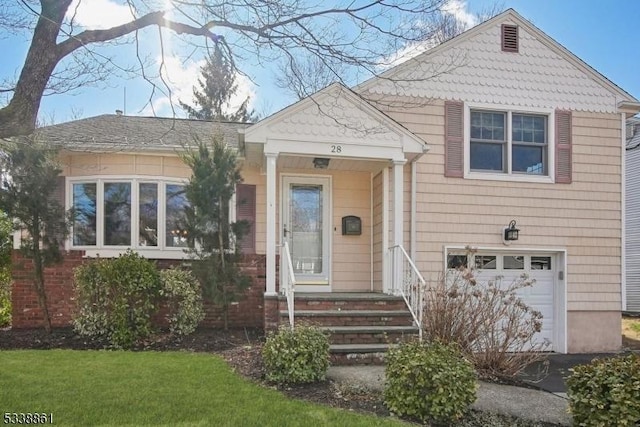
x,y
98,14
182,77
458,9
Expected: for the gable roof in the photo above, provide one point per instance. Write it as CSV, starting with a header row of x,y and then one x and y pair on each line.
x,y
427,62
112,132
335,113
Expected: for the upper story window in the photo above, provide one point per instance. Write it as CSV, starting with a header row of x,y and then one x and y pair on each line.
x,y
141,213
508,143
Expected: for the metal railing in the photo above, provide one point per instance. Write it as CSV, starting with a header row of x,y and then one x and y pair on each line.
x,y
407,281
288,284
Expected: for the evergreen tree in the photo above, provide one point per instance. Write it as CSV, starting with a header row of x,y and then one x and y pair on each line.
x,y
211,235
28,196
216,87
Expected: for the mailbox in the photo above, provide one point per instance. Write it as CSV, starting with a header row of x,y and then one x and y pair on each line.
x,y
351,226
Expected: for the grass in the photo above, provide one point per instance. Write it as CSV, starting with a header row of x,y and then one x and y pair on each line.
x,y
151,388
635,326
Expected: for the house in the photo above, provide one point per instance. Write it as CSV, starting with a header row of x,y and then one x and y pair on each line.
x,y
632,216
500,125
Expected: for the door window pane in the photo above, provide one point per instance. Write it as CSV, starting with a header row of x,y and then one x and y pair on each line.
x,y
84,221
176,233
306,228
117,214
148,207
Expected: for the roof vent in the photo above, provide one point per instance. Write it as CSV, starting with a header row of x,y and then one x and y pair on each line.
x,y
118,112
509,38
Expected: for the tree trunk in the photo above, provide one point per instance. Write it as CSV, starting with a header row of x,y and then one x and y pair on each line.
x,y
19,116
38,282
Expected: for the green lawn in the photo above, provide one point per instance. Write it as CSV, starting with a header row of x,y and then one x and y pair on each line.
x,y
148,388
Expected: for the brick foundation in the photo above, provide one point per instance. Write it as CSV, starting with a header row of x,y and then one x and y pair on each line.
x,y
249,312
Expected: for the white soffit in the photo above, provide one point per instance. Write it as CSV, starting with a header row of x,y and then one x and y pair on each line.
x,y
473,68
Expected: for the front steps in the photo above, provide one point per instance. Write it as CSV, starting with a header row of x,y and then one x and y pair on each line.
x,y
361,326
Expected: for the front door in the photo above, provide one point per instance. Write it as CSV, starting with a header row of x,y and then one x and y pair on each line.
x,y
305,226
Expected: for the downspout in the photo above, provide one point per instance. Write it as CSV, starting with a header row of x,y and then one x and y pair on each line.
x,y
623,220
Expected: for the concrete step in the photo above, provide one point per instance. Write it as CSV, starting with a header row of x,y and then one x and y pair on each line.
x,y
344,301
358,354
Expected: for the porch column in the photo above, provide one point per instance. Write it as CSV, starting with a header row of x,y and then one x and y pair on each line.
x,y
398,208
398,222
271,223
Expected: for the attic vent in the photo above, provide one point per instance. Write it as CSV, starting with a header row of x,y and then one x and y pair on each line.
x,y
509,38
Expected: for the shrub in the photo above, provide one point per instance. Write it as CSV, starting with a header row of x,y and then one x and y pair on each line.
x,y
429,381
606,392
492,326
116,298
184,300
296,356
5,299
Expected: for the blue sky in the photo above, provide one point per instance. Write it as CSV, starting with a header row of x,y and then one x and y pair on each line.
x,y
602,33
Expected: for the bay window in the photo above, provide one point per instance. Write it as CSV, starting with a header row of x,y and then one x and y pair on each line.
x,y
121,213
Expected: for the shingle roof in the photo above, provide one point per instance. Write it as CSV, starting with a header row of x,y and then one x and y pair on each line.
x,y
112,132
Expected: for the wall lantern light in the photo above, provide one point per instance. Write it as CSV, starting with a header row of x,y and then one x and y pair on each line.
x,y
320,162
511,232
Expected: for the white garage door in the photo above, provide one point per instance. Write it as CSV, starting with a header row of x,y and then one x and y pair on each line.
x,y
540,296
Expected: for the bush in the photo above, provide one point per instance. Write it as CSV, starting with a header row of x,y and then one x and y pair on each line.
x,y
606,392
184,300
429,381
296,356
116,298
5,299
492,326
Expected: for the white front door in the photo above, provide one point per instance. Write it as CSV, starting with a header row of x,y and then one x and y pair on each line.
x,y
306,226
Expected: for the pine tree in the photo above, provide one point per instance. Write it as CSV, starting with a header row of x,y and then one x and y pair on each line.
x,y
216,87
211,236
28,196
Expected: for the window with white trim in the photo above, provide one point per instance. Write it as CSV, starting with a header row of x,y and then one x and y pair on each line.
x,y
118,213
509,142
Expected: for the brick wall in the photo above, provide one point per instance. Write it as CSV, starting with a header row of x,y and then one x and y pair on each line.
x,y
249,312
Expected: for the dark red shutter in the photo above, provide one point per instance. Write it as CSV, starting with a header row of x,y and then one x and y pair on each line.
x,y
454,141
563,147
246,210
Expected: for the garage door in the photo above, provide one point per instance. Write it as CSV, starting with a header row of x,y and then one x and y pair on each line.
x,y
540,296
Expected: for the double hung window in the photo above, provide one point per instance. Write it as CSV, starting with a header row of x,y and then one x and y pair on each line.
x,y
508,143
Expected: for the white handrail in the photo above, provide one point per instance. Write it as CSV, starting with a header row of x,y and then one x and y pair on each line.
x,y
288,281
407,281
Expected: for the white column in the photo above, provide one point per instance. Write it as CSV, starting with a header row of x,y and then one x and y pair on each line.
x,y
271,223
386,277
398,208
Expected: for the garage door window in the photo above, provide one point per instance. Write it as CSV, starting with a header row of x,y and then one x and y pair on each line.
x,y
541,263
511,262
486,262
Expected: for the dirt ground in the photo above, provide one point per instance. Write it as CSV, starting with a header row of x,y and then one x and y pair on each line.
x,y
631,333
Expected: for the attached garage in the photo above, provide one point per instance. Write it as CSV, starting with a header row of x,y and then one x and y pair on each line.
x,y
547,294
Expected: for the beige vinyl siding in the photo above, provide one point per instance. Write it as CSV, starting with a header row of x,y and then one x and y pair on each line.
x,y
584,217
88,164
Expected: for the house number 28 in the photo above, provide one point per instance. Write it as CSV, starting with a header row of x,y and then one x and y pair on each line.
x,y
336,148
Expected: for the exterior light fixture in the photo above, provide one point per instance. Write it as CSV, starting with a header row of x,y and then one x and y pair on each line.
x,y
511,232
320,162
